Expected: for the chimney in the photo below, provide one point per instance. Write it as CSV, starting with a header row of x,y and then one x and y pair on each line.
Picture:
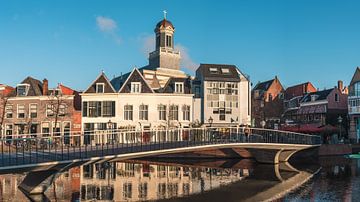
x,y
340,85
45,87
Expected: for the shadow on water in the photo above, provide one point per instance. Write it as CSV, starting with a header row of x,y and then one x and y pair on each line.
x,y
160,179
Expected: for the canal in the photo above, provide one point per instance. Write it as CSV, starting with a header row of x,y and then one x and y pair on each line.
x,y
326,179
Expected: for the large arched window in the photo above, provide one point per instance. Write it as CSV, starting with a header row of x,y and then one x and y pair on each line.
x,y
357,89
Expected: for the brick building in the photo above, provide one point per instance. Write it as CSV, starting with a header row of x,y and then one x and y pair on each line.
x,y
33,108
267,103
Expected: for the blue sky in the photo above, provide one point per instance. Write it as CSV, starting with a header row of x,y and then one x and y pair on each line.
x,y
72,41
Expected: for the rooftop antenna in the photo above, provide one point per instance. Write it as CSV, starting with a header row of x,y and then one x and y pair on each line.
x,y
165,14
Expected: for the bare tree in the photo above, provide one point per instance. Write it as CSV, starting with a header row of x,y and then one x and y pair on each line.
x,y
57,106
3,102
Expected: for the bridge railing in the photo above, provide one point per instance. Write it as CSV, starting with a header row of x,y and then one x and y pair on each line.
x,y
40,148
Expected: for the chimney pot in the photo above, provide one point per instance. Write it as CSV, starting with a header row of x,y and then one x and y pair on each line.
x,y
45,87
340,85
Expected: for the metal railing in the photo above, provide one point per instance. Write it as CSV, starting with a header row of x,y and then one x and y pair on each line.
x,y
41,148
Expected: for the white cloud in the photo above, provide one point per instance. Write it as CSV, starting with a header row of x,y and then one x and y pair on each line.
x,y
108,26
186,61
148,42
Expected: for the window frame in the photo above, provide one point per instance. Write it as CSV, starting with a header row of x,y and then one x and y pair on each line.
x,y
177,85
133,85
97,87
24,110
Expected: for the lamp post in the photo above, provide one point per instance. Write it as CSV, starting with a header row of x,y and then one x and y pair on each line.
x,y
109,126
211,120
262,123
340,120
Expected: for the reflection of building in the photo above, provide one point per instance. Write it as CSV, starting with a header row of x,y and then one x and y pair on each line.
x,y
135,182
267,103
32,108
354,106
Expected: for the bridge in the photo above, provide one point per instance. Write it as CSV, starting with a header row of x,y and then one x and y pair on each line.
x,y
45,157
264,145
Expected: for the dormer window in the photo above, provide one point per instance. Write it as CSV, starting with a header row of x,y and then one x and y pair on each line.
x,y
213,70
314,97
22,89
100,87
225,71
179,87
55,92
135,87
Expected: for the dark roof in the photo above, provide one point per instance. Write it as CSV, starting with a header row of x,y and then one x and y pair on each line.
x,y
164,23
117,82
264,85
299,90
170,85
135,76
218,75
321,95
108,88
35,86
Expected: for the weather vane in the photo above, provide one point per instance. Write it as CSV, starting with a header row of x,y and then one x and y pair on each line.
x,y
165,14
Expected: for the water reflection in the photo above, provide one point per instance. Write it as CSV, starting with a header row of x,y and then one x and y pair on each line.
x,y
140,180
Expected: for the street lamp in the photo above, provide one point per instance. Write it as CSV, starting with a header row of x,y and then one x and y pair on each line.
x,y
211,120
262,123
109,126
340,120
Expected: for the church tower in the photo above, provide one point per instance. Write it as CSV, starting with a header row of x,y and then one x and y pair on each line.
x,y
164,55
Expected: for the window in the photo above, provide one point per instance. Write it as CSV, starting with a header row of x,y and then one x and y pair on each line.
x,y
162,112
222,115
270,97
213,70
314,97
174,112
49,110
337,98
33,110
21,111
22,89
108,109
9,111
94,109
179,87
135,87
356,89
128,112
56,128
168,41
100,87
8,130
143,112
186,112
197,91
85,109
45,129
225,71
62,109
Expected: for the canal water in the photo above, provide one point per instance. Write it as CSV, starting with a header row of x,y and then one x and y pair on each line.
x,y
327,179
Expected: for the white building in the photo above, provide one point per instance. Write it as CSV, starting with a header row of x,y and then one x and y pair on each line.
x,y
160,95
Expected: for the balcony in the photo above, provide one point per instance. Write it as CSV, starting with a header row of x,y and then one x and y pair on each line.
x,y
354,104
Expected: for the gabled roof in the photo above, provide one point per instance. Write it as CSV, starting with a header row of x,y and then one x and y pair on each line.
x,y
108,88
321,95
135,76
356,76
205,72
170,85
35,86
264,86
66,90
299,90
154,83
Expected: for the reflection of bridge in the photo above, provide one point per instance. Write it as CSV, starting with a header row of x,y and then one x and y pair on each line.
x,y
262,181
